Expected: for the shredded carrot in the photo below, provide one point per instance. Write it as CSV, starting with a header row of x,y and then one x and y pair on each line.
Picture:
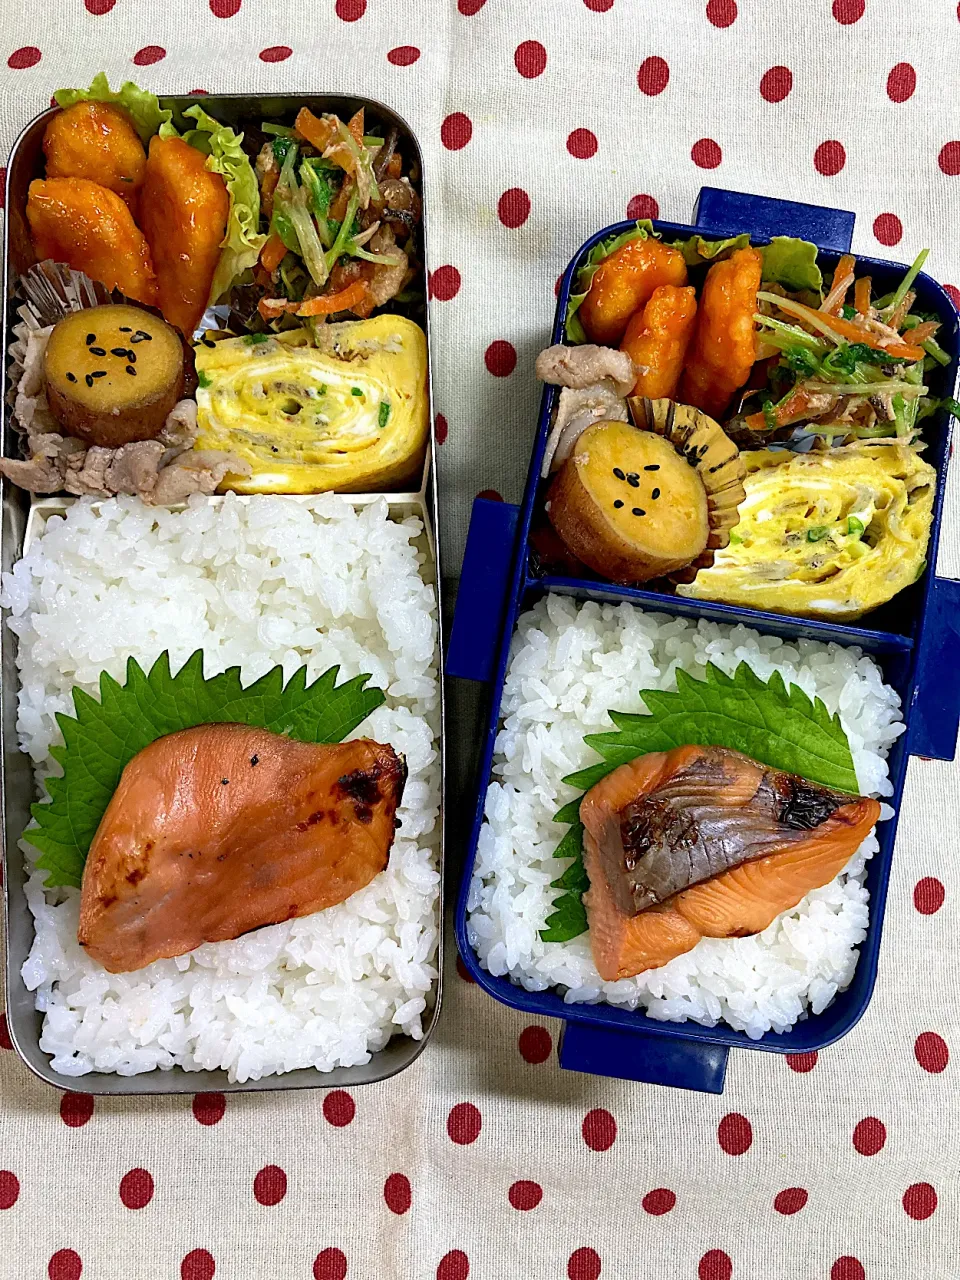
x,y
338,209
923,331
327,303
394,166
791,410
846,264
861,295
272,253
270,308
849,330
319,133
842,280
356,128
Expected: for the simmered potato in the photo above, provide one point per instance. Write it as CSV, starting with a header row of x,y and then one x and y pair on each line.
x,y
183,212
78,222
97,141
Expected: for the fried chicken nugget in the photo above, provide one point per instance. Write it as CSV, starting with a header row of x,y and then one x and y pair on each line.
x,y
183,212
724,345
78,222
623,284
96,140
657,338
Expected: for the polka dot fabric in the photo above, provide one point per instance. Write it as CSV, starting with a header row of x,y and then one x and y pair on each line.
x,y
539,124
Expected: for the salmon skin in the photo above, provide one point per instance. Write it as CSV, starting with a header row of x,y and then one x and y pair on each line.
x,y
705,842
219,829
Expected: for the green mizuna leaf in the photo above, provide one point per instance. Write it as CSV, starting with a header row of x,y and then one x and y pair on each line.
x,y
641,231
778,726
103,737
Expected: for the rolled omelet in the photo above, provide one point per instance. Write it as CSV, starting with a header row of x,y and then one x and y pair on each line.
x,y
825,535
350,416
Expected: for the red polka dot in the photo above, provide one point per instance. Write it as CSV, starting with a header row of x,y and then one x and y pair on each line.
x,y
444,283
199,93
530,59
582,144
848,11
456,131
10,1189
490,495
949,158
469,7
901,82
952,292
199,1263
888,228
802,1062
790,1200
441,429
270,1185
405,55
525,1195
513,207
929,893
715,1265
76,1109
869,1136
931,1051
735,1134
208,1108
919,1201
65,1265
642,207
396,1192
339,1108
276,53
599,1129
454,1265
583,1264
350,10
829,158
776,84
599,6
659,1201
5,1041
722,13
557,285
706,153
149,54
463,1123
500,358
136,1188
223,9
20,59
653,76
847,1268
535,1044
99,7
330,1264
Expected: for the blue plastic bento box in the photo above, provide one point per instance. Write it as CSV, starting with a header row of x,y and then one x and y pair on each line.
x,y
913,638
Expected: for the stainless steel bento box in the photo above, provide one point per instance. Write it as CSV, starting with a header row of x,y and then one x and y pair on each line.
x,y
22,520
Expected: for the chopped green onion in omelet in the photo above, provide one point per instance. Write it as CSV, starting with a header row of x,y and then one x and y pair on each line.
x,y
825,535
351,415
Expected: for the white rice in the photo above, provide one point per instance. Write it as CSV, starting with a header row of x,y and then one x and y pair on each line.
x,y
569,665
254,583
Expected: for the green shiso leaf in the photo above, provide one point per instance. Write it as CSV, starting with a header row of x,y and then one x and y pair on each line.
x,y
641,231
777,725
103,737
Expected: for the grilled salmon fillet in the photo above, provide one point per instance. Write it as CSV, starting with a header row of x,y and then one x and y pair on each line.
x,y
705,842
222,828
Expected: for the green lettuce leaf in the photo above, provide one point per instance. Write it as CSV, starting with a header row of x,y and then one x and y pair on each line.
x,y
103,737
242,241
602,249
778,726
142,105
697,251
793,264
